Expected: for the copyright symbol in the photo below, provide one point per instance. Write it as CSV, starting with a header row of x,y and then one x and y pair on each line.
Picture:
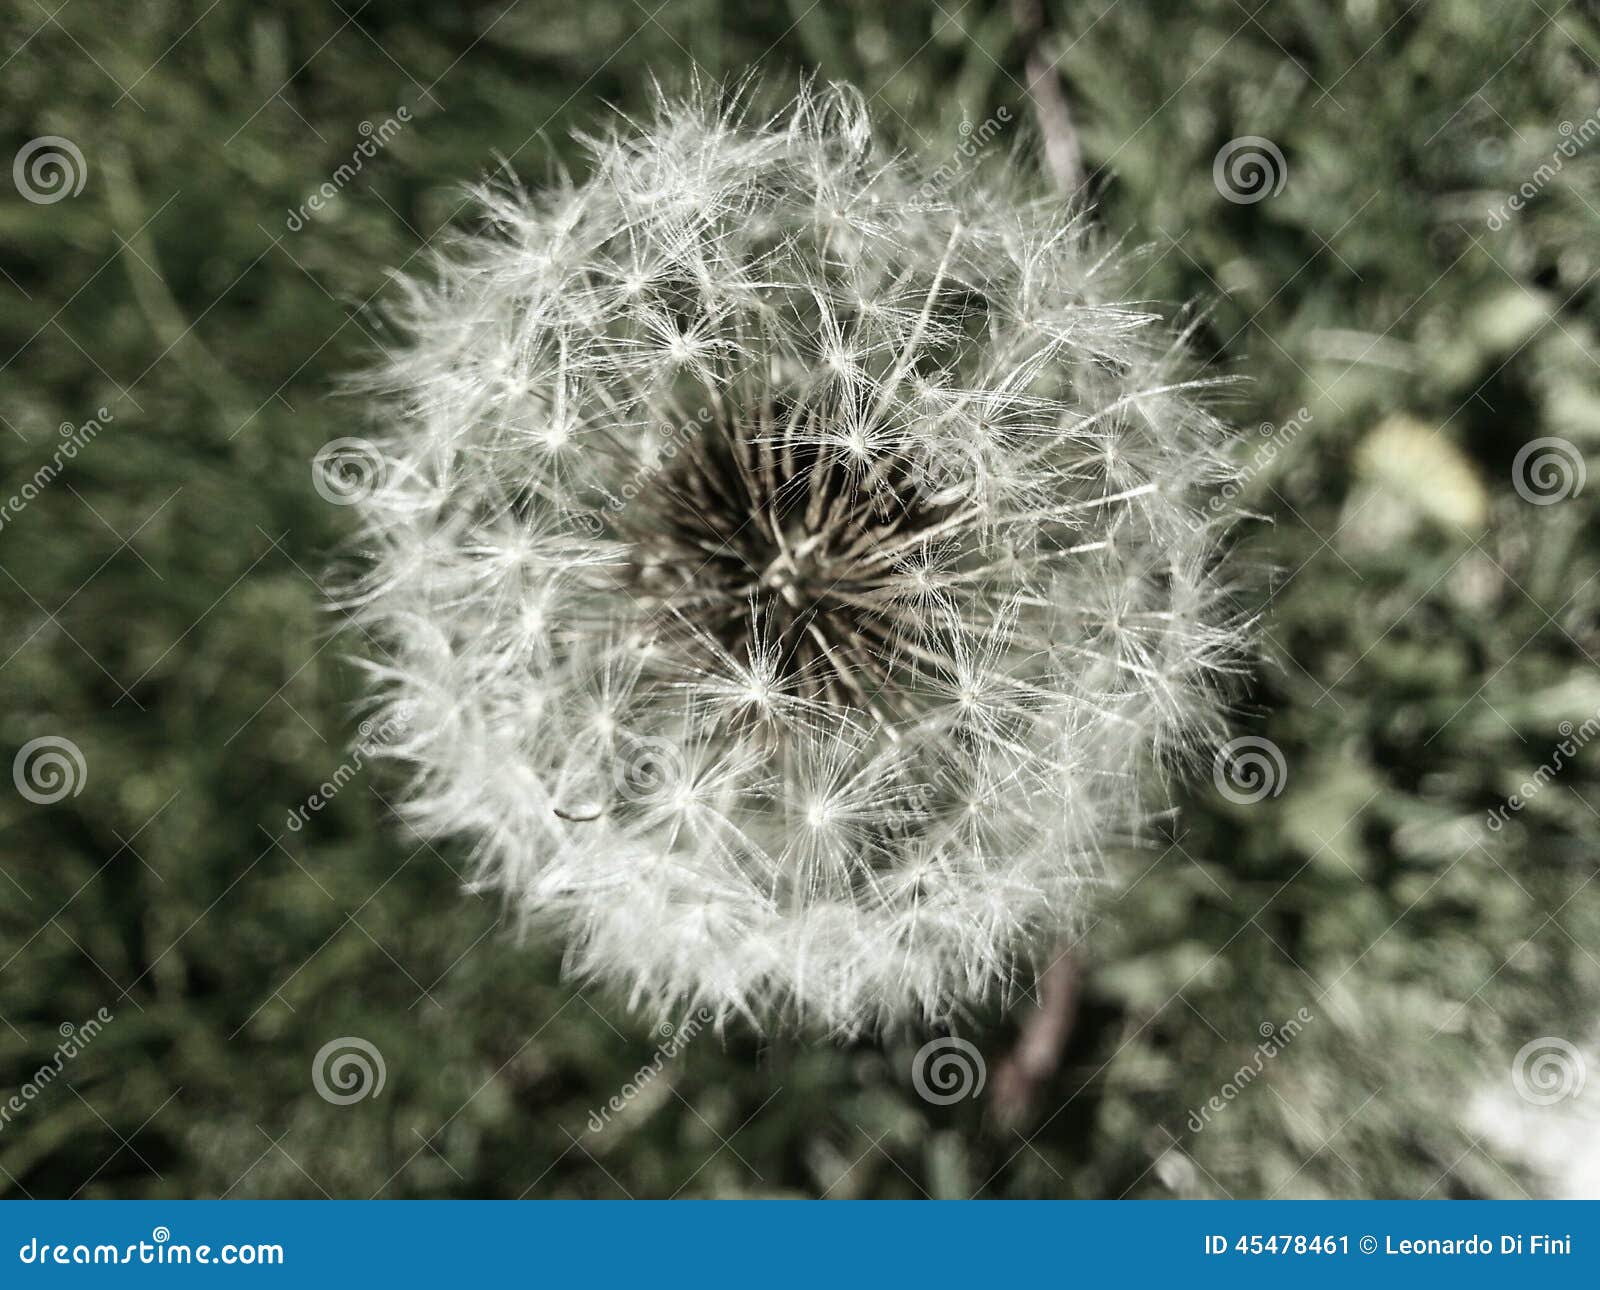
x,y
1369,1244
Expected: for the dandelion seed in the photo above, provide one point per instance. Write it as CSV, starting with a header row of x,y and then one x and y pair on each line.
x,y
795,580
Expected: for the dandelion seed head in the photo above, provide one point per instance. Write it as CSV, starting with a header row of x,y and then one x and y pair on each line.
x,y
797,573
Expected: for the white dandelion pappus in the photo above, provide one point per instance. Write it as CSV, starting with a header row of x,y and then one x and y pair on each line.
x,y
794,578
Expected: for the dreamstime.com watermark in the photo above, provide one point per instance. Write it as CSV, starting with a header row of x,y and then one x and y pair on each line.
x,y
374,139
160,1250
1574,139
1274,1039
74,1039
1274,439
675,1040
667,440
374,737
973,140
1573,738
74,439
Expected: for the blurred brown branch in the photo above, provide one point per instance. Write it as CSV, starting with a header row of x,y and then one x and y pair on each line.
x,y
1062,156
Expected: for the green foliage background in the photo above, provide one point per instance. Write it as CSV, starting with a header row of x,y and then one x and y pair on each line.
x,y
1428,629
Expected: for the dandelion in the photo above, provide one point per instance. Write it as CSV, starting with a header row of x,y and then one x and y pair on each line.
x,y
794,576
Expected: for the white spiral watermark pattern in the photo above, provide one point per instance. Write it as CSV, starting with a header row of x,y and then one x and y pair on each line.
x,y
934,483
49,768
347,471
1548,470
1248,769
948,1069
1548,1070
1248,169
49,168
648,770
348,1069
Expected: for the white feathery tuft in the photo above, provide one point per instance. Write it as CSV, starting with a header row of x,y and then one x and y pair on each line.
x,y
792,576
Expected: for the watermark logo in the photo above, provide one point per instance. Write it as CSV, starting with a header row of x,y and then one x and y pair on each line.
x,y
73,440
1548,1070
1248,769
649,771
1573,738
1574,139
160,1250
1548,470
659,447
49,768
1274,438
947,1070
374,138
74,1039
973,140
674,1039
348,1069
347,471
48,169
374,736
1249,169
1274,1039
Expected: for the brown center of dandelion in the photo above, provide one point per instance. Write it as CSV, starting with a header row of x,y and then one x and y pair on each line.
x,y
819,553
